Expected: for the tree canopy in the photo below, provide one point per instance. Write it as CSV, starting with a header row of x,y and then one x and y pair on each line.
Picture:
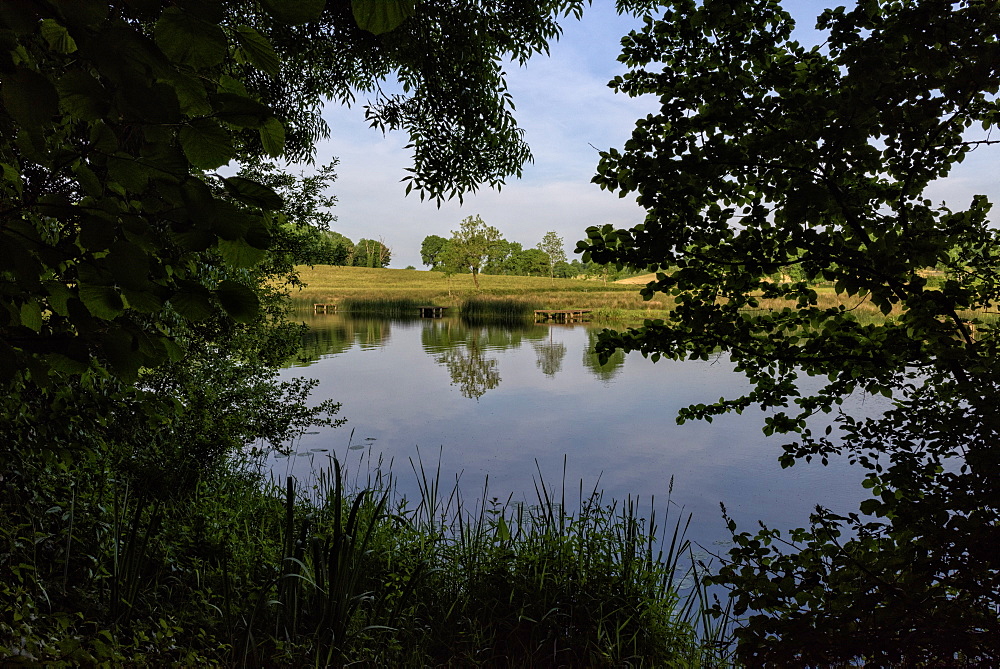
x,y
470,246
552,246
371,253
431,250
767,155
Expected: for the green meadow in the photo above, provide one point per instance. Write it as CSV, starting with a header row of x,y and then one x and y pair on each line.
x,y
376,290
350,287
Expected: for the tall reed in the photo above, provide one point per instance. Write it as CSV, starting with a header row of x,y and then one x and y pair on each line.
x,y
501,583
382,306
486,309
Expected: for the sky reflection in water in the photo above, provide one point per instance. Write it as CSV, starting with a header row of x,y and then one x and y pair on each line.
x,y
492,400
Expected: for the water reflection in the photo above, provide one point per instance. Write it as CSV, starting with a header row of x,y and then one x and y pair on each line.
x,y
591,361
550,355
333,334
465,348
542,395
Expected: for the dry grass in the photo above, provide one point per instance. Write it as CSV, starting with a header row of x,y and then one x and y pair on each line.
x,y
616,301
333,285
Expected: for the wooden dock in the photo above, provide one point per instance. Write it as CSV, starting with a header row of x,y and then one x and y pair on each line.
x,y
324,308
432,311
562,315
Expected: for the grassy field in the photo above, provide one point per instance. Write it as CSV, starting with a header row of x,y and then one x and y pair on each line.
x,y
612,301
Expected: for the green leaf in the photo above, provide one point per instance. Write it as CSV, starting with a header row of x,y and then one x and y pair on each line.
x,y
59,293
12,176
125,170
503,532
57,36
66,364
258,235
129,265
257,50
102,302
31,315
239,301
82,96
142,301
174,352
272,136
88,180
30,98
228,222
206,144
195,239
238,253
193,304
191,95
121,356
294,12
240,110
187,39
252,193
381,16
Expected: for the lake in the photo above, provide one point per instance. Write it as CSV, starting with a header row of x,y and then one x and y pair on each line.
x,y
491,400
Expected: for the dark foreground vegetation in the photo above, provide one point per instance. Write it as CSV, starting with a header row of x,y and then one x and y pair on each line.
x,y
141,322
233,569
770,156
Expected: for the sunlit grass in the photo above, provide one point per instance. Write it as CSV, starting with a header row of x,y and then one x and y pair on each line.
x,y
497,309
363,289
341,285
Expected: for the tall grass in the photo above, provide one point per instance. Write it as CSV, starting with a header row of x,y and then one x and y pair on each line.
x,y
342,284
499,583
497,310
381,306
244,572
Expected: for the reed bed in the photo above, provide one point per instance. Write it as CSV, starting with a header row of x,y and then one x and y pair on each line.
x,y
380,306
489,582
242,571
336,285
497,309
616,302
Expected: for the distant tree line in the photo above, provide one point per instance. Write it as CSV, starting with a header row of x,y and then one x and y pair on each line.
x,y
303,235
477,248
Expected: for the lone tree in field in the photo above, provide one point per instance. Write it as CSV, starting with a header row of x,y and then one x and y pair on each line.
x,y
472,244
552,246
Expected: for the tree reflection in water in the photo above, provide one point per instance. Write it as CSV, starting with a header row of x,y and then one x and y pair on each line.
x,y
608,370
550,355
463,347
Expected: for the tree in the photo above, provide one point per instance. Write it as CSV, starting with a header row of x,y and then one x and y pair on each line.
x,y
456,107
371,253
503,258
334,248
302,235
431,250
552,246
767,155
472,244
533,262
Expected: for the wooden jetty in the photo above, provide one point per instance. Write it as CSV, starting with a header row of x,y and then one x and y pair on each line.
x,y
562,315
431,311
324,308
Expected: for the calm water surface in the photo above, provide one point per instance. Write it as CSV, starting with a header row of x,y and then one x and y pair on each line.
x,y
493,400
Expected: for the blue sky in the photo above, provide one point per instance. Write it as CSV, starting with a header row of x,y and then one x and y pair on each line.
x,y
565,108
